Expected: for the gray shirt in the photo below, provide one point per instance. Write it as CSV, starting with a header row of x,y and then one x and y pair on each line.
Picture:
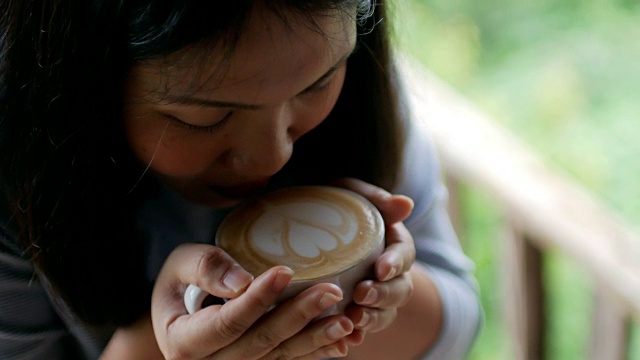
x,y
35,324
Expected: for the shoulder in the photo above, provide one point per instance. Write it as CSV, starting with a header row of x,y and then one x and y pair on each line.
x,y
421,175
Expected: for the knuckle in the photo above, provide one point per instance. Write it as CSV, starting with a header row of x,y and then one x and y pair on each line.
x,y
396,294
384,297
282,353
410,243
230,328
258,302
207,262
408,289
267,338
374,319
410,284
412,252
411,258
301,315
383,319
379,193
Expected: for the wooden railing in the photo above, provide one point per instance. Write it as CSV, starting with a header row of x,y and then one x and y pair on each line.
x,y
545,210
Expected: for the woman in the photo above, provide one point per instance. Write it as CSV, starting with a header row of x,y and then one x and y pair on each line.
x,y
128,129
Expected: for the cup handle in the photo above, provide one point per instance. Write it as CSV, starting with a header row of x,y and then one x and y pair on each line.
x,y
193,298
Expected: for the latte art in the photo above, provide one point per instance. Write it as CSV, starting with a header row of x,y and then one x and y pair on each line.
x,y
325,228
316,231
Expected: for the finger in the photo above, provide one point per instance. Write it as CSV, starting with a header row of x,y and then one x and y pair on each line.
x,y
208,267
318,335
356,337
384,295
393,208
399,254
371,320
283,322
336,350
215,327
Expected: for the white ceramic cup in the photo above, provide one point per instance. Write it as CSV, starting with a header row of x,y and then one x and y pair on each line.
x,y
324,234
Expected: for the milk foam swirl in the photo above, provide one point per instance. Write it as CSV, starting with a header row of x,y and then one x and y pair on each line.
x,y
313,230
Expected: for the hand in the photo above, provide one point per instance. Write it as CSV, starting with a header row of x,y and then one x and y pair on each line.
x,y
376,302
242,328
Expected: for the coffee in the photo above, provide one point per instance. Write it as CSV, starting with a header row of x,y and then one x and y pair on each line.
x,y
324,234
316,231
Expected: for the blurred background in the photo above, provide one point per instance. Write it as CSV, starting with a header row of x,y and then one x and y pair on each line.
x,y
564,75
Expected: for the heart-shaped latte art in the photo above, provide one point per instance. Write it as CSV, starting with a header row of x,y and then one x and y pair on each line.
x,y
315,231
303,229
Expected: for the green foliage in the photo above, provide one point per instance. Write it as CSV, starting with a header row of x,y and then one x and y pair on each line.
x,y
480,233
563,75
560,74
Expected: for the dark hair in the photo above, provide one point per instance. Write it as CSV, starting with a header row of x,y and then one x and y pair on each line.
x,y
65,167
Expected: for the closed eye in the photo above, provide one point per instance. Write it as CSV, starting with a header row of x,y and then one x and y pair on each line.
x,y
316,88
200,128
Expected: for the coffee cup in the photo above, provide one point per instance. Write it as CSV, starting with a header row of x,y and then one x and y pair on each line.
x,y
324,234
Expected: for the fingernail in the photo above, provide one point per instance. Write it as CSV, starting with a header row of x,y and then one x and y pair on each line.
x,y
364,320
283,277
336,352
371,297
336,331
236,278
391,274
328,300
394,264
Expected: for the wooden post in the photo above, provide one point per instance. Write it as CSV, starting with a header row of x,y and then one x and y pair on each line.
x,y
523,295
609,327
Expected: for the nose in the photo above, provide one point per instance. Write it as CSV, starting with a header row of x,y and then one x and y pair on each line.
x,y
267,145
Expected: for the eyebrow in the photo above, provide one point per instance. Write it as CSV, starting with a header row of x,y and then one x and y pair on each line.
x,y
198,101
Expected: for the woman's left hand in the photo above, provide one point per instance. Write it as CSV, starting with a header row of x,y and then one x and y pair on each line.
x,y
376,302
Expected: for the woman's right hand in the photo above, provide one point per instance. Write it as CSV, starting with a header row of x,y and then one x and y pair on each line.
x,y
242,328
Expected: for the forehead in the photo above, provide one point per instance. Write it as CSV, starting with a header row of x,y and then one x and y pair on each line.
x,y
278,52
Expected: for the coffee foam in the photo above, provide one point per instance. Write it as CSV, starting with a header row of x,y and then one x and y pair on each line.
x,y
316,231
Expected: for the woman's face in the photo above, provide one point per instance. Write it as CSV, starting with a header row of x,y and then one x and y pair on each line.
x,y
217,133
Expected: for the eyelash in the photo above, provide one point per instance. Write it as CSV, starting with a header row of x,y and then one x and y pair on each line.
x,y
208,128
318,88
